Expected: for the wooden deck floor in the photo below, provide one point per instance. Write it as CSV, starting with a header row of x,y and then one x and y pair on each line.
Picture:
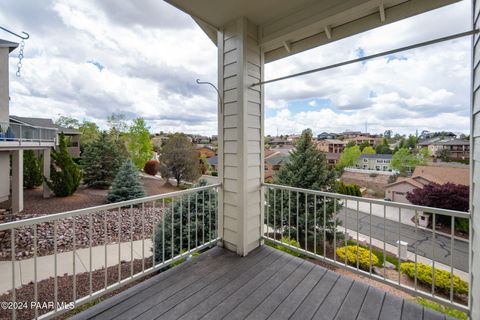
x,y
267,284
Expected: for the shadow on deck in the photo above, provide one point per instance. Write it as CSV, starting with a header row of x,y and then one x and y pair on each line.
x,y
266,284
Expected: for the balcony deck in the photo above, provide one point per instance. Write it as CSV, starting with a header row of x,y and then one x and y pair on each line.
x,y
266,284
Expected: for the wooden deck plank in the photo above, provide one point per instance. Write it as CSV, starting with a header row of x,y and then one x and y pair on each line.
x,y
391,308
157,309
372,304
266,284
154,298
412,311
296,297
229,283
334,300
116,305
264,310
310,305
429,314
217,305
252,292
353,302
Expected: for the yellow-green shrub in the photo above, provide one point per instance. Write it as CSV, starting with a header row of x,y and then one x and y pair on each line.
x,y
363,256
288,241
442,277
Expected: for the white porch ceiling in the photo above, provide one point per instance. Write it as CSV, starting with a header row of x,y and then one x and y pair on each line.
x,y
291,26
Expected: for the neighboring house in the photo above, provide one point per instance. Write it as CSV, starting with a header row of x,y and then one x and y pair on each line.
x,y
350,134
373,141
274,163
213,162
15,137
457,149
424,175
278,142
326,135
375,162
292,139
332,159
205,151
331,145
72,135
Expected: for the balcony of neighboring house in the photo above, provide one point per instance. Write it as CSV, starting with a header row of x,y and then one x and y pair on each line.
x,y
17,135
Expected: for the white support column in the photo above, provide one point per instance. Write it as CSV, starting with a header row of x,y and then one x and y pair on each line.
x,y
46,172
240,136
17,181
475,171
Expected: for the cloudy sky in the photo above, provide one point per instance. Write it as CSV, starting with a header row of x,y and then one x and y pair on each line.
x,y
89,59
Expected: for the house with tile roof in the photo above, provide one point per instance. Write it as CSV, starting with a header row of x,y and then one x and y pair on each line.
x,y
424,175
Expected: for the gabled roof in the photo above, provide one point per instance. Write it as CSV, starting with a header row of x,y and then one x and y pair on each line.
x,y
410,181
43,123
277,159
442,175
8,44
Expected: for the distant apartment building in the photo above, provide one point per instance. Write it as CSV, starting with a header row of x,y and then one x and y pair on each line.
x,y
457,149
373,141
332,148
374,162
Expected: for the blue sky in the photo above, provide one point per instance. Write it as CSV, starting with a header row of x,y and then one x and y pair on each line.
x,y
88,59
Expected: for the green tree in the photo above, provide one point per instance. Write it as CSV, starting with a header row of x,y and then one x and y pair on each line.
x,y
411,142
101,161
349,189
179,159
349,157
364,145
65,175
67,122
384,147
139,144
197,213
403,161
306,168
368,150
32,172
90,132
127,185
350,144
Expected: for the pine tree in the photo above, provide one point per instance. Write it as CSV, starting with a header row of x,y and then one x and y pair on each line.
x,y
32,173
65,175
101,161
306,168
127,185
199,223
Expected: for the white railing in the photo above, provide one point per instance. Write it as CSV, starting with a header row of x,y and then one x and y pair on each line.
x,y
151,233
322,222
25,133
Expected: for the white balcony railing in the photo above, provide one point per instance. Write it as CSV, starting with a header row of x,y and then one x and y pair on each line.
x,y
323,222
123,242
16,132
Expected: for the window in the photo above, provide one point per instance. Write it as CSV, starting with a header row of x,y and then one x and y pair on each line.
x,y
377,168
365,160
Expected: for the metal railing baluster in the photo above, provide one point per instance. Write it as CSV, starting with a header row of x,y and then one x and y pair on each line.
x,y
55,265
105,239
452,250
90,279
35,284
12,243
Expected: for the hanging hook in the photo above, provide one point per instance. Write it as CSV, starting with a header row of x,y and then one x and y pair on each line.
x,y
216,89
25,37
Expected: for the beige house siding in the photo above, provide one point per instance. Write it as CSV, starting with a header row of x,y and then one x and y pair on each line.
x,y
398,192
241,135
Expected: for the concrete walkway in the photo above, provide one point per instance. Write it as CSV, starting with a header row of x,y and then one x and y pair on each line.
x,y
24,269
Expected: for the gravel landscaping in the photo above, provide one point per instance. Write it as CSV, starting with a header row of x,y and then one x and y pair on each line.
x,y
65,289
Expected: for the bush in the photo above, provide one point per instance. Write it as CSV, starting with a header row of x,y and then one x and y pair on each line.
x,y
197,213
288,241
363,256
349,189
379,253
215,173
151,167
373,175
65,175
126,186
32,173
442,277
